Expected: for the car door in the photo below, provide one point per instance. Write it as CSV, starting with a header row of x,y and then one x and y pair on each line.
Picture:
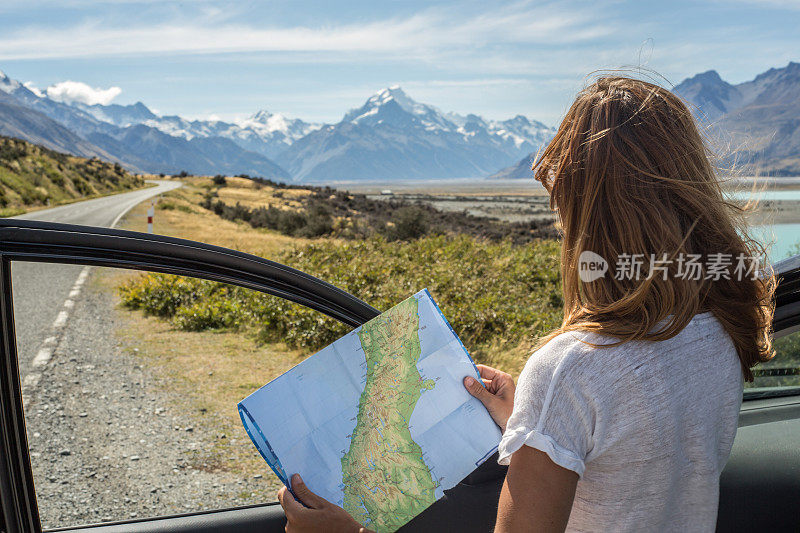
x,y
760,485
26,485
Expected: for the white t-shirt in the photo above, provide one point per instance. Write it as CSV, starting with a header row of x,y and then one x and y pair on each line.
x,y
647,425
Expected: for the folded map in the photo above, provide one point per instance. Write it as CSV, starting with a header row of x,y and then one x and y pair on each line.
x,y
379,421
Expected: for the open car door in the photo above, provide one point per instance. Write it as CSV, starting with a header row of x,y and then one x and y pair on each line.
x,y
471,506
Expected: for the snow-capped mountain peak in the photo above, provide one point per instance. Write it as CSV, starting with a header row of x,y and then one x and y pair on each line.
x,y
7,84
268,122
393,106
396,93
390,135
276,126
262,115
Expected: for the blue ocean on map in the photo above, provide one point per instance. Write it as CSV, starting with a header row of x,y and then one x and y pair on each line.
x,y
301,421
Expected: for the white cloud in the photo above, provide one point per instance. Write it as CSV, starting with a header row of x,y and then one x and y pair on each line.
x,y
426,33
76,91
778,4
32,88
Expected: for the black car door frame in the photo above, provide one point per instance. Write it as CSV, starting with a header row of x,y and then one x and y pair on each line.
x,y
62,243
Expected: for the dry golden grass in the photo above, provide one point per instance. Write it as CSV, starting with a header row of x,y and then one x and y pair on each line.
x,y
251,194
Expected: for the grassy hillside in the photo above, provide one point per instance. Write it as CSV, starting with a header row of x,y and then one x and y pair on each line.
x,y
32,176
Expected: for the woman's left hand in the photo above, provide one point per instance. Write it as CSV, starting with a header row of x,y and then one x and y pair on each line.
x,y
318,515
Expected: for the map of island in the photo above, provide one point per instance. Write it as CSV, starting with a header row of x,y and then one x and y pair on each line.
x,y
378,422
386,481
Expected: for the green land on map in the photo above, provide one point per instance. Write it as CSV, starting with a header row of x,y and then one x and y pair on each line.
x,y
386,481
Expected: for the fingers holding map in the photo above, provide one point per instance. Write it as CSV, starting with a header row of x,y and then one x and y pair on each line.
x,y
379,421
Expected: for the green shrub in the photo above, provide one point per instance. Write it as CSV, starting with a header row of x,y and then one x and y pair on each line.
x,y
409,223
318,222
216,313
162,294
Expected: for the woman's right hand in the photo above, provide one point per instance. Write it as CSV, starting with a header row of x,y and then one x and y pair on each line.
x,y
497,396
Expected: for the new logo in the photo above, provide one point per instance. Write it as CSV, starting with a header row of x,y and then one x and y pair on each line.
x,y
591,266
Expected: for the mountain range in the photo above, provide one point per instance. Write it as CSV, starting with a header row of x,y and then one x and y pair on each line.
x,y
115,133
754,125
393,135
390,137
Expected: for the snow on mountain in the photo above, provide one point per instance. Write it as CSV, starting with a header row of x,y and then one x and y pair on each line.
x,y
392,136
115,133
268,124
264,132
517,130
119,115
8,85
380,107
17,120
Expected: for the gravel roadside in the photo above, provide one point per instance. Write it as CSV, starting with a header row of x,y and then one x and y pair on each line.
x,y
110,442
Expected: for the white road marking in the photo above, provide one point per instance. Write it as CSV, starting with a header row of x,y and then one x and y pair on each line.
x,y
61,319
50,344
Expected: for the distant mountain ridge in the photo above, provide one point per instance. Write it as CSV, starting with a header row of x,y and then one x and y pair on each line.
x,y
519,171
390,137
18,121
393,135
263,132
119,115
113,133
755,123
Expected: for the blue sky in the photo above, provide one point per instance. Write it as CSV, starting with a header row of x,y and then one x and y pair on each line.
x,y
315,60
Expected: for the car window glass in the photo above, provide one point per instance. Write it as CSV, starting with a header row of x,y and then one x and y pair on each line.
x,y
130,385
783,371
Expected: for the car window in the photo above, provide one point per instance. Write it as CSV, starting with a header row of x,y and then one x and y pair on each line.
x,y
782,373
130,386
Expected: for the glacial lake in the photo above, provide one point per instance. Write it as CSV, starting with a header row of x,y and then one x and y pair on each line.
x,y
783,239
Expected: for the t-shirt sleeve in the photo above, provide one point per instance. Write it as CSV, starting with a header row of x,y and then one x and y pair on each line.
x,y
553,410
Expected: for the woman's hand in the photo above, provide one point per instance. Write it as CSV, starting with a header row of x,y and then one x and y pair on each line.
x,y
497,396
318,515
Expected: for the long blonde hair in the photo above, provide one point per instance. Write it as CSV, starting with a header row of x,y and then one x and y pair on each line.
x,y
629,173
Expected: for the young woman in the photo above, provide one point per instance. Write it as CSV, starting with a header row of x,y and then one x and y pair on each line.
x,y
625,417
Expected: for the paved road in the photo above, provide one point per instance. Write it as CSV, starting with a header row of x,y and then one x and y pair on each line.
x,y
40,290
